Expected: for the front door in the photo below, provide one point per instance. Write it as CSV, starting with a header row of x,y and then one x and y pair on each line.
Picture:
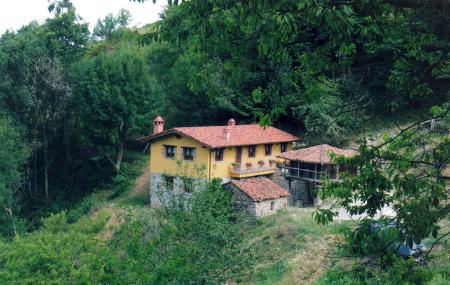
x,y
238,154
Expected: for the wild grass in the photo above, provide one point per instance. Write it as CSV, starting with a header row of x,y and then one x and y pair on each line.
x,y
290,248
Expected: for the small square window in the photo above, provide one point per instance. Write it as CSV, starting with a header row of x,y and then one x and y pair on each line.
x,y
272,206
168,181
283,147
170,151
188,153
252,151
268,149
219,154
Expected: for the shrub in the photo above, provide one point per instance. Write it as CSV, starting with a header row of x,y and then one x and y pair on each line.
x,y
197,242
83,208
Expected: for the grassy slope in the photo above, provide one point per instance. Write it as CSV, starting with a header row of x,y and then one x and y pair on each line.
x,y
289,246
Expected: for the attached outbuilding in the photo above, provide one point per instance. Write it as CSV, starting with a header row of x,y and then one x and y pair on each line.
x,y
258,196
305,169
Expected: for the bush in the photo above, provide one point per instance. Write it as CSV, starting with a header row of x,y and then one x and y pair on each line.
x,y
196,242
83,208
59,253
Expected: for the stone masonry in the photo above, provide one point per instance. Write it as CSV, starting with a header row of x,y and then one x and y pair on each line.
x,y
257,209
297,188
163,188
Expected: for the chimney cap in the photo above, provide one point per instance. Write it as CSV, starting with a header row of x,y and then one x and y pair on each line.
x,y
231,122
159,119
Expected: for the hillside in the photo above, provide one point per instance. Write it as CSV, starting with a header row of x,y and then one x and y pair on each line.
x,y
78,106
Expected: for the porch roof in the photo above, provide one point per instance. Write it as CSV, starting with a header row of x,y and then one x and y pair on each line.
x,y
318,154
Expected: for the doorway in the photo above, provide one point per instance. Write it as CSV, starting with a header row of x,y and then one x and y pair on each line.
x,y
238,154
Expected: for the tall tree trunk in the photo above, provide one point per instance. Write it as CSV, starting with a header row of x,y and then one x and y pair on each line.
x,y
46,163
13,223
67,141
119,157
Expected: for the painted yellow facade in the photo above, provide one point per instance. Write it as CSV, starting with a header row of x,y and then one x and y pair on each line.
x,y
204,164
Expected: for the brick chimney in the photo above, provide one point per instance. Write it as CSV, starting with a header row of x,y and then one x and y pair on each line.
x,y
158,125
226,133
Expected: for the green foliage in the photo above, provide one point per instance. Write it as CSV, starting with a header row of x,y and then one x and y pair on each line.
x,y
13,155
273,274
57,254
199,241
106,29
323,65
83,208
406,172
117,100
402,271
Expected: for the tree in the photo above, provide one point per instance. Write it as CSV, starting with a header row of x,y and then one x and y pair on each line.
x,y
117,100
407,172
34,63
105,29
284,60
49,92
13,157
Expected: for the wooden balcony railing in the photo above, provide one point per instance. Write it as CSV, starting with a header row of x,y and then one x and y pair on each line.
x,y
306,174
242,171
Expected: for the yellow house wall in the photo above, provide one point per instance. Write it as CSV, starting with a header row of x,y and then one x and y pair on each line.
x,y
204,158
198,168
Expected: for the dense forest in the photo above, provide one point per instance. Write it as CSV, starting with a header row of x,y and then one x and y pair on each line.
x,y
73,105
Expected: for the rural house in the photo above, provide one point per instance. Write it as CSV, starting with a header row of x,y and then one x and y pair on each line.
x,y
183,158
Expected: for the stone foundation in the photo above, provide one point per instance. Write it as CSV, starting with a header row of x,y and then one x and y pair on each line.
x,y
163,191
297,188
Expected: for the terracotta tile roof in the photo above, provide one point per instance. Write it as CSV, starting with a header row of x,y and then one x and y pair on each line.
x,y
316,154
260,188
213,137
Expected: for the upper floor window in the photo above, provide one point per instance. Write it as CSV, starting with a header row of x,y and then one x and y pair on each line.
x,y
268,149
252,151
170,151
219,154
188,153
283,147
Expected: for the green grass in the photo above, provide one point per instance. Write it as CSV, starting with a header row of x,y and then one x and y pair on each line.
x,y
121,191
273,274
289,248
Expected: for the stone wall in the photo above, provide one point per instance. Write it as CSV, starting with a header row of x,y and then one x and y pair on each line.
x,y
161,192
297,188
279,179
245,204
269,207
242,203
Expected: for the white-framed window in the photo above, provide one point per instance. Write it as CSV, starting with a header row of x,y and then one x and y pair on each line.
x,y
170,151
268,149
218,154
188,153
251,150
